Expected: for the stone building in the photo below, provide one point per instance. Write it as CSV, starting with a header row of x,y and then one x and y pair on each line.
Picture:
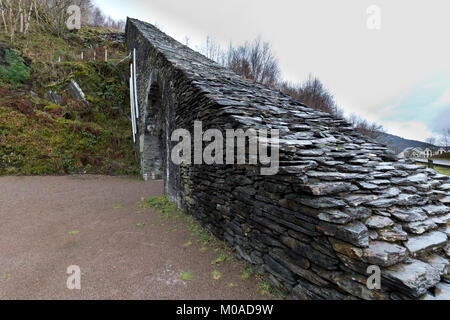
x,y
340,207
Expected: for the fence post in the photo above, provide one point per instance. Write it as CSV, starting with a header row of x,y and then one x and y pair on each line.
x,y
430,164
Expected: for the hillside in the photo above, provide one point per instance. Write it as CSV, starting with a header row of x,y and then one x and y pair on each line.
x,y
45,126
399,144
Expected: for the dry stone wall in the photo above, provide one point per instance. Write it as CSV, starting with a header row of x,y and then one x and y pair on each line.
x,y
339,204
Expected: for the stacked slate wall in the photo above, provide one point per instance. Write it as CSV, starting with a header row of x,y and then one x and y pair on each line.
x,y
339,204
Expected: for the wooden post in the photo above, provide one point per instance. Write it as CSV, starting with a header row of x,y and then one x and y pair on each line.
x,y
430,164
106,54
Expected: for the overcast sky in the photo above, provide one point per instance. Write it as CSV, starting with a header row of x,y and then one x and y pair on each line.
x,y
398,76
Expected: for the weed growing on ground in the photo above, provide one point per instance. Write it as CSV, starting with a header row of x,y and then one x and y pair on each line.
x,y
221,258
246,273
186,276
265,288
216,275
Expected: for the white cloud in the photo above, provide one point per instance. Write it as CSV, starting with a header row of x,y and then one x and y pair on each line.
x,y
409,130
442,121
445,98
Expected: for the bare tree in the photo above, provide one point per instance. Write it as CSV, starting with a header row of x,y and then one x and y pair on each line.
x,y
22,16
212,50
19,16
371,130
314,95
16,16
98,17
3,10
431,141
254,61
445,138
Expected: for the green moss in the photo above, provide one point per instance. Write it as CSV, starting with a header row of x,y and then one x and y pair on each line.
x,y
52,107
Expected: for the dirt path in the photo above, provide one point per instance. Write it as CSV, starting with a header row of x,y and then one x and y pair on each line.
x,y
50,223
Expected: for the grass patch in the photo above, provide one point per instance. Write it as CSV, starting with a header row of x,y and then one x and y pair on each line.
x,y
186,276
158,203
265,288
216,275
74,233
443,170
246,273
221,258
140,225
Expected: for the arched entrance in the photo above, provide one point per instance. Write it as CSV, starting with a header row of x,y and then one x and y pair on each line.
x,y
156,144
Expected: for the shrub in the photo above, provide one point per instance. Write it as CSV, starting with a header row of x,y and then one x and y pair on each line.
x,y
16,72
445,156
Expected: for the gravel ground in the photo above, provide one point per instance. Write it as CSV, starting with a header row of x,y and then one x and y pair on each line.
x,y
50,223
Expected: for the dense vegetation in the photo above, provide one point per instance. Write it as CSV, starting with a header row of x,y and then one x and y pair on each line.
x,y
445,156
39,136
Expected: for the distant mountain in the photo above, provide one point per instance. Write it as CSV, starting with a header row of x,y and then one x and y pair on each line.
x,y
398,144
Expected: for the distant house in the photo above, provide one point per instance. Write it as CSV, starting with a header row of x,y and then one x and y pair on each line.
x,y
428,152
412,152
416,152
